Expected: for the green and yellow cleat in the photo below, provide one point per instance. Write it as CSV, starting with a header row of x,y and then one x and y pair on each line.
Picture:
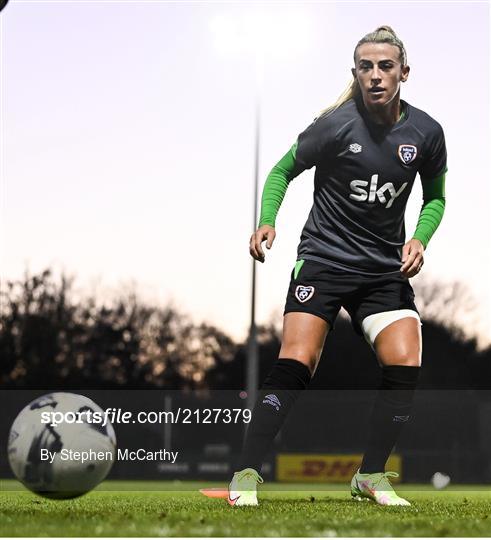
x,y
242,490
376,487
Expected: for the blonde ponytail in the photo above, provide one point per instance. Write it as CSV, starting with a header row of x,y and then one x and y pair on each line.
x,y
382,34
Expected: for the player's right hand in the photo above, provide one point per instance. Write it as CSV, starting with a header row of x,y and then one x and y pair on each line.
x,y
265,232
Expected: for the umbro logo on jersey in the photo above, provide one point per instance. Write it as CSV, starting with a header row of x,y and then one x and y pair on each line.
x,y
273,400
355,148
407,153
361,194
304,293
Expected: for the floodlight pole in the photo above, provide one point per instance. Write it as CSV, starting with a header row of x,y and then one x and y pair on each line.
x,y
252,365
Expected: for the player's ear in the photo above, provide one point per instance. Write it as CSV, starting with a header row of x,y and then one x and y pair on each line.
x,y
405,73
353,72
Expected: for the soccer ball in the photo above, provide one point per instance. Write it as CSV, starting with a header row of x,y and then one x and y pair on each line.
x,y
440,480
59,447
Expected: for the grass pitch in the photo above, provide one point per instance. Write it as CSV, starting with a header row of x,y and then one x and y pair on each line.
x,y
166,509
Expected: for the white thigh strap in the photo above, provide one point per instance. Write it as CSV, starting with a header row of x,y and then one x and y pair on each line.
x,y
374,324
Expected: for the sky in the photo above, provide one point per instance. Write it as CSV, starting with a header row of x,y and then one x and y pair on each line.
x,y
127,140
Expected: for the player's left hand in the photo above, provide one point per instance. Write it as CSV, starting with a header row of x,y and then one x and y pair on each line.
x,y
412,258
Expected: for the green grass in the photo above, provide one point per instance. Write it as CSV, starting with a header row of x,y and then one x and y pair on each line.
x,y
157,509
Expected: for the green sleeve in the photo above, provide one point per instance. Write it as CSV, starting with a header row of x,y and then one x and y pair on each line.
x,y
432,210
276,185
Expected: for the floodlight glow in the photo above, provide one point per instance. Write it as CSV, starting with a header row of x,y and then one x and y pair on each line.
x,y
277,35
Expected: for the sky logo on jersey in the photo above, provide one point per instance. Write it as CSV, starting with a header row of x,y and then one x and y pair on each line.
x,y
407,153
304,293
388,188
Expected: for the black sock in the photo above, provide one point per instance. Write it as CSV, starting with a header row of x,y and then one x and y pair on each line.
x,y
276,397
390,413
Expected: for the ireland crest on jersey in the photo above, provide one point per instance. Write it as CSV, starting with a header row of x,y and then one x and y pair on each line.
x,y
407,153
304,293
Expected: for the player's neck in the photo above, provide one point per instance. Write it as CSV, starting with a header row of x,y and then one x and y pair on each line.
x,y
388,114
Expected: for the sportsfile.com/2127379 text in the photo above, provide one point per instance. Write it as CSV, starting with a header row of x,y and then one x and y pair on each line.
x,y
118,416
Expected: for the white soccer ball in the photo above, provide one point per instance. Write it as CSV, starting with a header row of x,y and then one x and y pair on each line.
x,y
66,459
440,480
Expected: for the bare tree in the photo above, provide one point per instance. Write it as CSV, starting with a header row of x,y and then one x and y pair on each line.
x,y
452,305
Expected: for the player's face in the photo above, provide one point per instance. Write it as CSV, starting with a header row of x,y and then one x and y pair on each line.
x,y
379,72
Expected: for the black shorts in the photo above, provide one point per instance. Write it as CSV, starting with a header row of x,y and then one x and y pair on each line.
x,y
322,290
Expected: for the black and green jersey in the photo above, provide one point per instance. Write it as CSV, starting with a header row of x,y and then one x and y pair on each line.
x,y
364,175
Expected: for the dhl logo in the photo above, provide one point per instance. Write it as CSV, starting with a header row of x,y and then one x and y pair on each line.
x,y
323,467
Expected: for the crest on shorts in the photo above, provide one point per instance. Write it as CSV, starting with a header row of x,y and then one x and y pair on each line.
x,y
304,293
407,153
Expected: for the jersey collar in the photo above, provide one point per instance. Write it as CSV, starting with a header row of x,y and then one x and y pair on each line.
x,y
379,127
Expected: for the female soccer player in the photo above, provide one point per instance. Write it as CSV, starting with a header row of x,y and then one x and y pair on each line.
x,y
367,149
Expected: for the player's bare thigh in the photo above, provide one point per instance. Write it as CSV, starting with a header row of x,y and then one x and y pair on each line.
x,y
400,343
303,339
